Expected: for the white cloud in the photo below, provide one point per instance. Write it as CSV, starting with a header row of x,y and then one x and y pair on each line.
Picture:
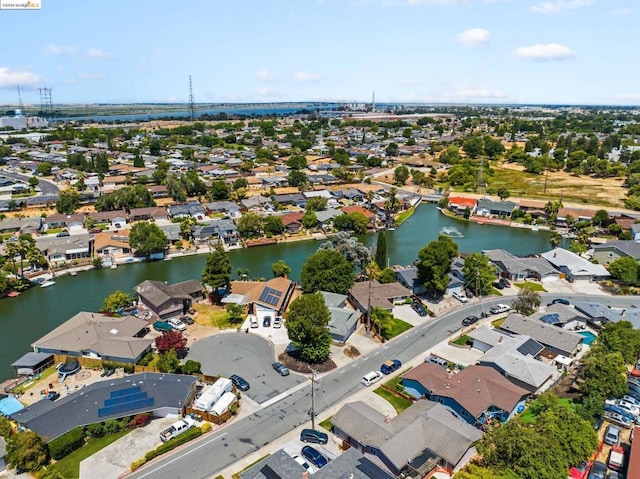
x,y
474,37
559,6
97,53
304,77
12,78
52,49
264,76
540,52
622,12
633,97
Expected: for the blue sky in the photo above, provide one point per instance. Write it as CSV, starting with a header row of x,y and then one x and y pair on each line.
x,y
471,51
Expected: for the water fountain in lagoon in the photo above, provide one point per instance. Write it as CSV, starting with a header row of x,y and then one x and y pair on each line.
x,y
451,232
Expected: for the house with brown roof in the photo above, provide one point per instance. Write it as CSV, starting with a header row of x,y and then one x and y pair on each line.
x,y
479,395
270,298
378,295
292,222
169,300
116,217
148,213
58,220
95,335
110,246
359,209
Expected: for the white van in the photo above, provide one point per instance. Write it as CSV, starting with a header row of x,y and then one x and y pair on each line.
x,y
372,377
177,428
460,296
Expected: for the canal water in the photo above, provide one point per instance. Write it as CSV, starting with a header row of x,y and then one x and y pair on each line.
x,y
36,312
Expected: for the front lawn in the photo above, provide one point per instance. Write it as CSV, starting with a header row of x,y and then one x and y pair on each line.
x,y
213,316
395,327
398,403
401,218
69,466
327,424
533,286
462,340
498,322
530,415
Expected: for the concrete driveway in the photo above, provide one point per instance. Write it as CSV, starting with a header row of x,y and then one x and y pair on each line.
x,y
248,355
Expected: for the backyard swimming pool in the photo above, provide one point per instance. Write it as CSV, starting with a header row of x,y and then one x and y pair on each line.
x,y
589,337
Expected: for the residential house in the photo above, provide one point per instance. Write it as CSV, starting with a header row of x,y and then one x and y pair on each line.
x,y
220,230
488,207
323,179
351,464
422,437
65,249
172,231
522,269
359,209
276,465
408,277
561,315
575,267
460,204
534,208
29,225
112,183
344,320
116,218
292,222
377,295
555,340
325,217
610,251
598,314
169,300
477,395
158,191
58,220
270,298
111,247
227,208
513,357
160,394
295,199
98,336
150,213
188,210
256,202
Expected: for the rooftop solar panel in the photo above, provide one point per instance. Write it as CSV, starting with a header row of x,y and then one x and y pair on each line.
x,y
125,399
530,348
551,318
110,410
125,391
270,296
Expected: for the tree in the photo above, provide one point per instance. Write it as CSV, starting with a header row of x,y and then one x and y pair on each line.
x,y
434,263
280,269
297,162
236,313
116,301
273,225
392,149
492,147
326,270
356,222
382,321
603,375
44,168
472,146
147,238
297,178
27,450
155,147
355,252
250,225
308,327
478,273
401,175
503,193
625,269
554,239
527,302
621,338
168,362
68,202
138,162
191,367
33,182
219,190
310,220
381,250
551,208
170,340
316,203
387,275
601,218
217,269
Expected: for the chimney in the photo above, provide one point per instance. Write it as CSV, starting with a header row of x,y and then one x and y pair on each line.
x,y
478,390
387,418
501,339
305,475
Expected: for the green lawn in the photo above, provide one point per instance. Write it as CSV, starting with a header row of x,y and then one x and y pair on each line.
x,y
498,322
396,327
404,215
34,385
69,466
462,340
327,424
530,415
533,286
398,403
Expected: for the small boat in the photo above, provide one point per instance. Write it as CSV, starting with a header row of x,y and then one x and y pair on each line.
x,y
13,294
73,273
46,284
114,266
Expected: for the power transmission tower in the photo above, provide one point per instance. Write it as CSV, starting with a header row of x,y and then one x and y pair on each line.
x,y
20,104
192,103
373,101
46,105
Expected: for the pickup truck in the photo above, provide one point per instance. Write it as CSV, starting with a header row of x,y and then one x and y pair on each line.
x,y
390,366
616,458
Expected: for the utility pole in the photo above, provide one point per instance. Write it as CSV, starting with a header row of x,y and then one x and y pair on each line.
x,y
192,104
313,402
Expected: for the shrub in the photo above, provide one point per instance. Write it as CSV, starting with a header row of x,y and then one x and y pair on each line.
x,y
139,463
139,420
146,359
206,427
173,443
96,429
67,443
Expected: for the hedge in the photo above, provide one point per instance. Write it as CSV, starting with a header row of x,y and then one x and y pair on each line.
x,y
173,443
67,443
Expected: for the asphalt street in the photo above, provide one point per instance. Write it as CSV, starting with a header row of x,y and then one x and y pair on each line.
x,y
46,187
205,457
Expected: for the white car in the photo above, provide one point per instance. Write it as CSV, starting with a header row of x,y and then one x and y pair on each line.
x,y
177,324
304,463
625,406
372,377
460,297
499,308
253,322
277,322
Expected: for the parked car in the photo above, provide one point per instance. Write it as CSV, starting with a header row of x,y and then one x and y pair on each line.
x,y
183,352
505,282
598,470
239,382
253,322
631,399
187,320
437,360
62,234
107,372
53,395
497,285
499,308
611,408
419,308
162,326
619,419
277,322
627,406
304,464
266,321
460,296
281,369
311,435
560,301
612,435
370,378
469,320
177,324
314,456
390,366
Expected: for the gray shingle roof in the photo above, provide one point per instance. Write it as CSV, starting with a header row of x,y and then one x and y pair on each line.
x,y
597,311
277,465
351,464
157,292
549,336
628,247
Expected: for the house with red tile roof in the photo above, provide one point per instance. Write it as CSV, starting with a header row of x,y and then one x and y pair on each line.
x,y
459,204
